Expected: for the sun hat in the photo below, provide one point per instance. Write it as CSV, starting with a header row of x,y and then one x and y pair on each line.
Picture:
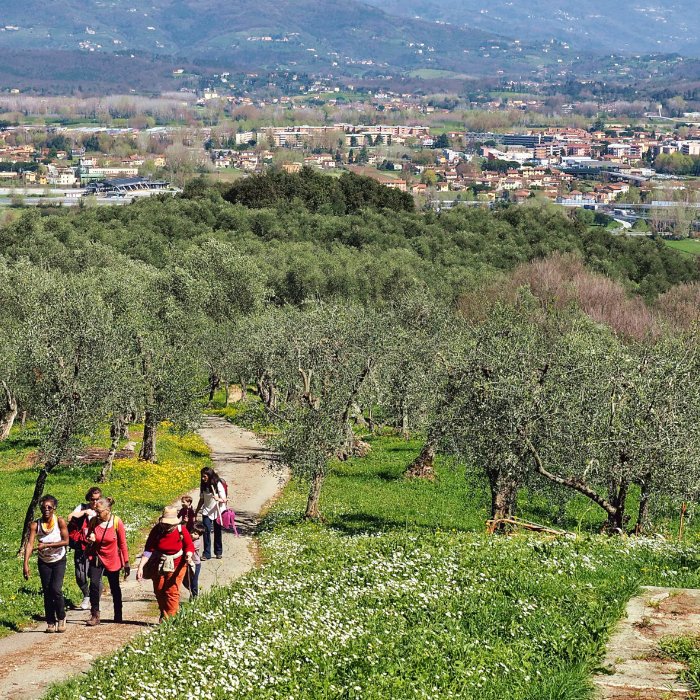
x,y
169,516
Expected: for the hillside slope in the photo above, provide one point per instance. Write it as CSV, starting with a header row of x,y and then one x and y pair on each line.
x,y
632,26
342,34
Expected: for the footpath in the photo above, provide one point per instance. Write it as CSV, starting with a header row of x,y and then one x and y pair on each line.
x,y
32,660
635,668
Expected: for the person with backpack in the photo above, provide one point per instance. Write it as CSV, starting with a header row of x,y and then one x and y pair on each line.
x,y
50,534
78,522
212,503
166,559
108,555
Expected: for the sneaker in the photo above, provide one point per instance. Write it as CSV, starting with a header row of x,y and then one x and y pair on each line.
x,y
50,628
219,556
85,605
61,626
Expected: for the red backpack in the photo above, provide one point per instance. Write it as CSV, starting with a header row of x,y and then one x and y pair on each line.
x,y
78,532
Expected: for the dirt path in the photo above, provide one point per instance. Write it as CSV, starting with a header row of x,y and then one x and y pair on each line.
x,y
32,660
637,672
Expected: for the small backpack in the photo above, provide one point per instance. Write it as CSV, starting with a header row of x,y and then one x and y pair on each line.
x,y
228,521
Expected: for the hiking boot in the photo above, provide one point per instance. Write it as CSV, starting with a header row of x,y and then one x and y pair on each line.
x,y
85,604
50,628
61,626
94,619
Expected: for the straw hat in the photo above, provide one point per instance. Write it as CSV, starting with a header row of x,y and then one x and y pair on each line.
x,y
169,516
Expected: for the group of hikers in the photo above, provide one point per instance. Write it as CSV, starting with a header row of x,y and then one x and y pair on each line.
x,y
172,556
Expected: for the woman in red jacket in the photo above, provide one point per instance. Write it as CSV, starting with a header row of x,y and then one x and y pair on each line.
x,y
172,544
108,556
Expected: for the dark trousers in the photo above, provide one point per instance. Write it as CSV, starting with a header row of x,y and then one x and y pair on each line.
x,y
210,525
97,570
191,580
82,571
51,576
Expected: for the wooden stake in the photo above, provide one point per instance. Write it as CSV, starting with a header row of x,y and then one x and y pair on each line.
x,y
684,508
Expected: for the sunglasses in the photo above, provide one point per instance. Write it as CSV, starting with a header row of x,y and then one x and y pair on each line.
x,y
47,507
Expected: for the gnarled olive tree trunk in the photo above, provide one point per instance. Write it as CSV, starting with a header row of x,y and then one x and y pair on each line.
x,y
148,446
8,411
312,509
116,431
423,466
504,494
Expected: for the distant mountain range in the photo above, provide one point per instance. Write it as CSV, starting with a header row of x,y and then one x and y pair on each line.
x,y
450,39
612,26
347,35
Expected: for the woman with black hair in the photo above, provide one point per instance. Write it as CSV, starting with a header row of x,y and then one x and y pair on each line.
x,y
50,532
212,502
78,523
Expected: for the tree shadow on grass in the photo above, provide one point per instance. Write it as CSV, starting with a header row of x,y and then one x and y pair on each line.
x,y
13,444
360,523
382,473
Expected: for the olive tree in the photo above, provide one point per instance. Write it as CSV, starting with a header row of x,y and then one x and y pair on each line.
x,y
230,288
331,351
626,416
490,403
24,289
170,324
70,369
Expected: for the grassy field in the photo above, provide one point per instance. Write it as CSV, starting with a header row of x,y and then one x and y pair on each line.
x,y
141,490
225,175
398,594
688,245
432,73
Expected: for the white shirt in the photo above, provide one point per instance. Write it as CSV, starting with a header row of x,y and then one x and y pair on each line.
x,y
210,506
51,554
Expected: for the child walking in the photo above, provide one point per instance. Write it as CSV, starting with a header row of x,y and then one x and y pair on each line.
x,y
186,512
191,580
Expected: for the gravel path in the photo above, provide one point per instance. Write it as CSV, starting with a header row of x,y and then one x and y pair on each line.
x,y
32,660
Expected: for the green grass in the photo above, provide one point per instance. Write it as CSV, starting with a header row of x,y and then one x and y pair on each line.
x,y
398,594
432,73
687,651
688,245
140,490
226,175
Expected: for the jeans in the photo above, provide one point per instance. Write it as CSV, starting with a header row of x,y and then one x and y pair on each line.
x,y
191,580
97,570
209,525
82,571
51,576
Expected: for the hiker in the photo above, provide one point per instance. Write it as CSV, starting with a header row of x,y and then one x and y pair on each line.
x,y
212,501
166,559
186,512
108,556
51,534
78,522
191,580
